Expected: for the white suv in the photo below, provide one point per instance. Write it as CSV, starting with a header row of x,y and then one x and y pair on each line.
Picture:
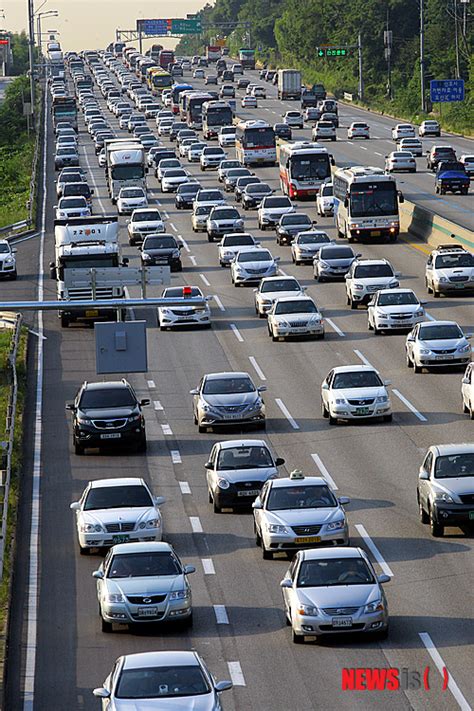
x,y
7,261
366,277
449,268
272,208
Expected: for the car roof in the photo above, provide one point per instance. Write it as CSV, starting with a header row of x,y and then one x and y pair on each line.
x,y
370,262
324,553
278,278
229,443
160,659
226,374
142,547
307,480
396,291
294,298
152,208
108,385
439,323
354,368
461,448
116,481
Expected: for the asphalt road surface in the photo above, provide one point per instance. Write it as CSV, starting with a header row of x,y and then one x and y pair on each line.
x,y
58,653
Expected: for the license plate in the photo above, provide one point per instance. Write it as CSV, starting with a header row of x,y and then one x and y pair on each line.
x,y
111,435
376,233
471,515
342,621
250,492
161,261
362,410
308,539
147,611
90,313
120,539
459,286
444,357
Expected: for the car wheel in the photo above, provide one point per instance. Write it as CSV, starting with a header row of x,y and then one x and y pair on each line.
x,y
424,518
217,509
263,228
258,538
84,551
324,410
297,638
78,448
369,325
353,304
274,336
436,294
388,418
471,411
106,626
332,420
417,368
437,529
409,361
266,554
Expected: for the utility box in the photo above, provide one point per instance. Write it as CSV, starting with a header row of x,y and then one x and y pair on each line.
x,y
120,347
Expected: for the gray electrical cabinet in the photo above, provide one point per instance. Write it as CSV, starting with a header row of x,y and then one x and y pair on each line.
x,y
120,347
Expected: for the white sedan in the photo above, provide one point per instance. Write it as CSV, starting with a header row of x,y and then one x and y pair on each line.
x,y
467,390
295,316
272,288
355,392
129,199
249,102
186,315
144,221
72,207
403,130
394,310
358,129
195,150
172,177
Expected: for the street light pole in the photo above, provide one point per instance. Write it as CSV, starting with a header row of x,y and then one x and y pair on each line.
x,y
31,48
422,55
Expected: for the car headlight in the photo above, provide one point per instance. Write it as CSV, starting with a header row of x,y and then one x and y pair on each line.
x,y
179,595
83,420
151,523
133,418
340,401
336,525
358,286
9,260
443,496
91,528
228,254
420,312
442,280
424,351
276,528
222,483
146,256
323,264
307,610
376,606
382,398
314,319
394,284
465,349
382,315
175,254
115,597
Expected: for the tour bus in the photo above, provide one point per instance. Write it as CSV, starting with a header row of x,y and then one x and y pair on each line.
x,y
165,57
215,114
194,108
255,142
366,203
158,79
176,90
303,167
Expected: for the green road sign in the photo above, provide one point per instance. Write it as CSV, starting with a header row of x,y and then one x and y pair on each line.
x,y
333,52
186,27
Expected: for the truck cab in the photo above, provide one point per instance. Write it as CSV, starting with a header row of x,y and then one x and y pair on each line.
x,y
451,176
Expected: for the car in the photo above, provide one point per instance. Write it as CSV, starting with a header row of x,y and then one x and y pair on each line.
x,y
186,315
413,145
294,119
185,195
237,470
211,156
163,164
171,178
327,593
136,120
251,266
449,269
124,119
297,512
467,391
323,130
402,130
233,174
325,200
259,92
223,219
226,136
66,140
283,130
198,74
185,133
249,89
148,140
107,413
311,114
468,163
151,109
445,486
429,128
176,677
141,130
451,177
243,182
199,217
78,189
66,177
233,243
163,114
294,316
358,129
402,161
367,276
211,79
306,245
272,208
163,249
243,83
8,268
195,150
143,221
437,154
143,583
227,91
164,127
394,310
355,392
225,166
129,199
150,156
249,102
431,344
254,193
290,224
209,196
333,261
272,288
228,398
330,117
72,207
66,155
270,75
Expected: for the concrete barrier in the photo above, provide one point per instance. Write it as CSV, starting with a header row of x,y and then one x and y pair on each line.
x,y
431,228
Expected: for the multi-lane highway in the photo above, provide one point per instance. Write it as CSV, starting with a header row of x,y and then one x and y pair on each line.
x,y
57,652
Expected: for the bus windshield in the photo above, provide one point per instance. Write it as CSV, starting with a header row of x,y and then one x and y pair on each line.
x,y
310,167
259,138
373,199
219,117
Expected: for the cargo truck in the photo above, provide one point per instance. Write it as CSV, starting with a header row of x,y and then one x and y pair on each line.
x,y
289,84
124,165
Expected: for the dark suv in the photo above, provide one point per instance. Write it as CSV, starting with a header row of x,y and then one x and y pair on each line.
x,y
438,154
107,413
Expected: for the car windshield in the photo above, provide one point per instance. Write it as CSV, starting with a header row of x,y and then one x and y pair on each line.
x,y
258,189
367,271
142,565
454,465
450,261
132,193
214,151
237,172
4,249
148,216
238,241
280,285
162,682
203,210
395,298
159,242
305,496
71,202
440,332
294,219
225,214
356,379
76,189
277,202
117,497
227,386
246,180
337,253
244,458
100,399
313,239
261,256
177,292
209,196
305,306
174,173
189,189
334,571
226,164
66,151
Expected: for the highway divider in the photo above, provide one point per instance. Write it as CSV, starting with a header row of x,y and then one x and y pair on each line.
x,y
431,228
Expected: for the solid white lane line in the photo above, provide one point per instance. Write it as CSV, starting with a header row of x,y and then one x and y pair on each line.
x,y
157,405
334,327
151,384
362,357
208,566
317,460
219,302
184,243
96,191
193,261
236,332
221,614
173,226
411,407
443,670
176,456
236,675
287,413
196,524
164,212
258,369
34,566
205,280
184,486
373,549
166,429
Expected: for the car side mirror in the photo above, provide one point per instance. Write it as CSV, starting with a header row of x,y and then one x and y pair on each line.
x,y
324,386
209,465
144,402
52,270
125,262
387,382
223,686
279,461
14,250
102,693
286,583
188,569
333,162
75,506
159,500
276,259
398,274
261,388
468,336
401,199
69,406
92,191
466,381
344,500
257,504
98,574
347,276
384,579
411,339
423,474
194,391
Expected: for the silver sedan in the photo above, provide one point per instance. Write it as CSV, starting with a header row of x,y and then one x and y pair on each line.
x,y
439,343
228,399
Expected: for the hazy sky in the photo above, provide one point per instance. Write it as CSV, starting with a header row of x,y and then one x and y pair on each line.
x,y
91,24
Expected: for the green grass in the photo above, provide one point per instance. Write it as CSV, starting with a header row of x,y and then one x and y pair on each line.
x,y
15,174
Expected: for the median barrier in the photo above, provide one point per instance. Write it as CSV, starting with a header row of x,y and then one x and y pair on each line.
x,y
431,228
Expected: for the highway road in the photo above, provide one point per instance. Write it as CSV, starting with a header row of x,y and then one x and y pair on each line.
x,y
58,653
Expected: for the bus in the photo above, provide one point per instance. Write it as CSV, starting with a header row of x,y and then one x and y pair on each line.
x,y
143,64
154,51
215,114
176,90
165,57
158,79
194,105
255,142
247,58
303,167
118,48
366,203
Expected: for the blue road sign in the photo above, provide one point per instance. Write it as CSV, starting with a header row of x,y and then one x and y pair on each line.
x,y
446,90
154,27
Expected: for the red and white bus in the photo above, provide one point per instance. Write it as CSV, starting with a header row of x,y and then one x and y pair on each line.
x,y
255,142
303,167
